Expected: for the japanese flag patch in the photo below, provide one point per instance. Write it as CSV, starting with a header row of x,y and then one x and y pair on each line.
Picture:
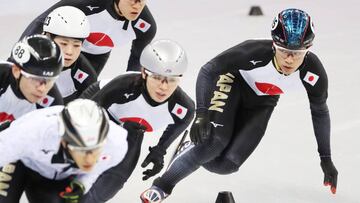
x,y
142,25
105,158
46,101
311,78
80,75
179,111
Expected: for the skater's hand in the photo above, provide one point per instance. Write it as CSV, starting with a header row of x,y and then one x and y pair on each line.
x,y
73,193
330,173
5,178
200,129
134,127
156,156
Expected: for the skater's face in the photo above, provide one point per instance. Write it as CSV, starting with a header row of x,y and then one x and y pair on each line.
x,y
130,9
289,60
33,88
159,87
70,48
85,160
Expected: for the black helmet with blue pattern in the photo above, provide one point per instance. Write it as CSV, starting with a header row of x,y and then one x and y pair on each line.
x,y
293,29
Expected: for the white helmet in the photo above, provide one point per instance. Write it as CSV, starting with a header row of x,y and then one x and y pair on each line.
x,y
164,57
67,21
85,124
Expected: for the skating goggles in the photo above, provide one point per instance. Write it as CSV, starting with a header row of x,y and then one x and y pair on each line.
x,y
38,80
295,53
161,79
86,150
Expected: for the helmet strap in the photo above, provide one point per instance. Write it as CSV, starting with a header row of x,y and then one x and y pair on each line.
x,y
68,158
277,66
18,92
18,80
64,156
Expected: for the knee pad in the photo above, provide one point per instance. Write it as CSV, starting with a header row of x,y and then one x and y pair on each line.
x,y
222,166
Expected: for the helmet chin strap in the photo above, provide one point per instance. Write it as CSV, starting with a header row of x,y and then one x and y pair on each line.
x,y
64,156
277,66
18,89
275,61
145,90
68,157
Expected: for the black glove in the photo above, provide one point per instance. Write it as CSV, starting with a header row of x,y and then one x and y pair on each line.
x,y
156,156
200,129
330,173
73,193
134,127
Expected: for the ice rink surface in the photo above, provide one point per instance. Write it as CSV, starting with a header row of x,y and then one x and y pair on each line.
x,y
285,167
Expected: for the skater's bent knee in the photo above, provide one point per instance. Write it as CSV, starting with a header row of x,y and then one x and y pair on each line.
x,y
222,167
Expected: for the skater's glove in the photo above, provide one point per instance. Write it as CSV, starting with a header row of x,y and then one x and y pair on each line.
x,y
5,178
156,156
73,193
201,128
134,128
330,173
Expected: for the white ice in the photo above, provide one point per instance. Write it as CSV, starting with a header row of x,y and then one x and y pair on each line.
x,y
285,167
